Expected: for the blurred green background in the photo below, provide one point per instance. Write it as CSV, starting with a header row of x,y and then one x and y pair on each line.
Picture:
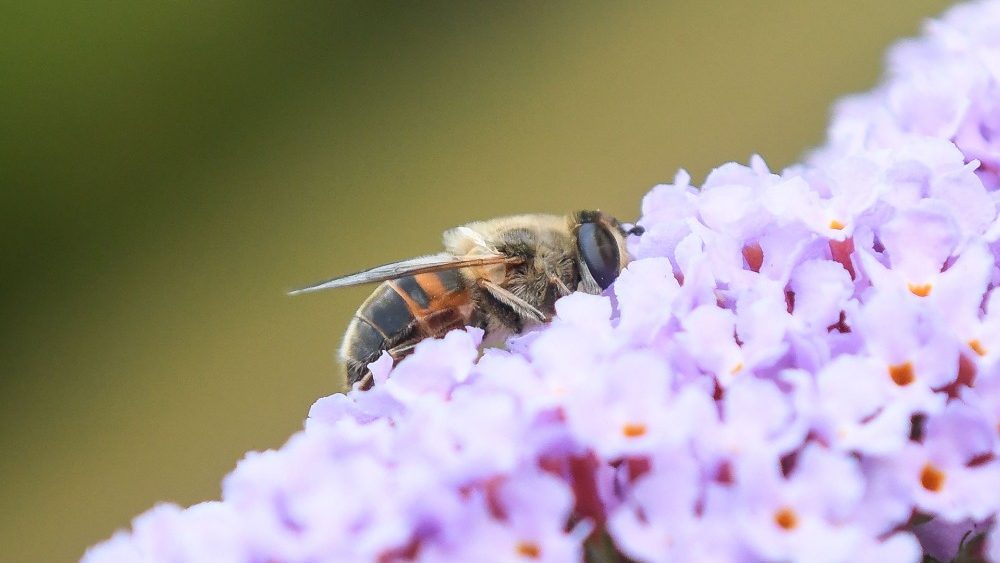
x,y
169,169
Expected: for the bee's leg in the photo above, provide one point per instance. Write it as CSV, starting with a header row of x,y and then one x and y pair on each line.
x,y
520,306
401,351
561,288
366,381
397,353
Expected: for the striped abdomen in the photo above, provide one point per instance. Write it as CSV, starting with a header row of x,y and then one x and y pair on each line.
x,y
402,312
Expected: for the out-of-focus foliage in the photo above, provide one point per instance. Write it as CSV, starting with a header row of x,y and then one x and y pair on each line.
x,y
168,169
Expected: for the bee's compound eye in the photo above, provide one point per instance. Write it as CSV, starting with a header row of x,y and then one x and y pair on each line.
x,y
600,253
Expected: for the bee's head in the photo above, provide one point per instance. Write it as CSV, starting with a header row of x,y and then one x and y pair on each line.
x,y
600,244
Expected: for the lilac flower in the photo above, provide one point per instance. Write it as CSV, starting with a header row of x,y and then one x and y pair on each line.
x,y
950,473
801,365
660,521
755,417
852,408
208,531
792,518
985,399
520,519
912,357
646,293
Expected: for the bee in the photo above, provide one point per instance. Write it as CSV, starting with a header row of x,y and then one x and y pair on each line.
x,y
503,275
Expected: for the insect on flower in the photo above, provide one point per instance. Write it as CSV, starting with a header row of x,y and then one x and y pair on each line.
x,y
502,275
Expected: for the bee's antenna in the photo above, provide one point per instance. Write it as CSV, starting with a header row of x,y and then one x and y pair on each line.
x,y
636,230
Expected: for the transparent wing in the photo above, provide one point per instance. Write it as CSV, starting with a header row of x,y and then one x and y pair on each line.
x,y
413,266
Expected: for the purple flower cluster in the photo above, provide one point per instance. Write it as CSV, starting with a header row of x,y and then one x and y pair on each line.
x,y
797,366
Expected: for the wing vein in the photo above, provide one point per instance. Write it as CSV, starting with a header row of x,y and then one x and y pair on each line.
x,y
411,267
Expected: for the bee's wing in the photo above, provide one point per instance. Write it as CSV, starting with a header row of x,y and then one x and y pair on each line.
x,y
413,266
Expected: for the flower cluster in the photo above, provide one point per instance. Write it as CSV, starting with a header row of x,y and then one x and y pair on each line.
x,y
797,366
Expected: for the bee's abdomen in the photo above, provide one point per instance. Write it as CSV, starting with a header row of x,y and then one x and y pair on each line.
x,y
402,312
382,321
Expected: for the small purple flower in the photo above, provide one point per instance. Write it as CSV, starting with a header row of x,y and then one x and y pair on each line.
x,y
915,356
822,290
210,531
756,417
660,519
853,408
521,518
646,292
793,517
952,473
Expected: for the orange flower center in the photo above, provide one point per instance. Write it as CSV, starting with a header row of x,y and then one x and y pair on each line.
x,y
836,225
932,478
529,549
634,429
919,289
786,518
902,374
977,346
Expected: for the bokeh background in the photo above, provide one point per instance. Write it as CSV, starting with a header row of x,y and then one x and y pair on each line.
x,y
169,169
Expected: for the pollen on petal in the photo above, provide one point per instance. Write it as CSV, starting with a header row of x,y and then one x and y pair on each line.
x,y
736,369
902,374
977,347
786,518
919,289
837,225
529,549
932,478
634,430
